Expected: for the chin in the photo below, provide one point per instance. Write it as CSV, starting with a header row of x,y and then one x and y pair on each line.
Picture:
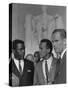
x,y
41,56
56,50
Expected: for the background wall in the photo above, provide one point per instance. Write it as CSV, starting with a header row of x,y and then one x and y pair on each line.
x,y
19,11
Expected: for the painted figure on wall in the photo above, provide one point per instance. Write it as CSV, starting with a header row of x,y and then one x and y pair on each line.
x,y
39,27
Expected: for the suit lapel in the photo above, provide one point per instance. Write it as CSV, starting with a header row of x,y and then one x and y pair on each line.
x,y
24,69
52,70
40,72
14,69
64,58
51,73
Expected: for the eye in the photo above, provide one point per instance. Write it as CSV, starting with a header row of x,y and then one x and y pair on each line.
x,y
52,41
56,40
40,48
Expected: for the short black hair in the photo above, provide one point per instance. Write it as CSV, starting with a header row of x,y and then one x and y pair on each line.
x,y
17,41
48,44
61,31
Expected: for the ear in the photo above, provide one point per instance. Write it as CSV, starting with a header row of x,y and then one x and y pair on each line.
x,y
48,50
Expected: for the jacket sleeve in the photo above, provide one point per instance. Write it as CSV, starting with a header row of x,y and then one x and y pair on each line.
x,y
36,82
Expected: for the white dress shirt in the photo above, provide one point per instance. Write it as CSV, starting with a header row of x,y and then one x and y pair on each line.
x,y
49,61
17,63
63,53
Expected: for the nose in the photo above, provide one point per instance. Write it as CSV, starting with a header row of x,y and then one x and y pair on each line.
x,y
54,44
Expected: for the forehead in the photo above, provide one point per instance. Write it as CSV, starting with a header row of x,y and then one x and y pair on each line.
x,y
43,44
56,36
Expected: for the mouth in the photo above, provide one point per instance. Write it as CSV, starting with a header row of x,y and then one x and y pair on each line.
x,y
55,48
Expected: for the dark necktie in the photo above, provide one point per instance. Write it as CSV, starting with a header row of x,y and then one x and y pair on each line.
x,y
46,68
20,68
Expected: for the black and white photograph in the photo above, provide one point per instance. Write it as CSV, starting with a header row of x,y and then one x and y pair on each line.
x,y
37,44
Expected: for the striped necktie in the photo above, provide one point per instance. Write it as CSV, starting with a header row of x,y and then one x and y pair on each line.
x,y
20,68
46,70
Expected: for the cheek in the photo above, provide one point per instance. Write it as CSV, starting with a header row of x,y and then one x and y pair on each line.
x,y
21,52
43,52
16,54
58,46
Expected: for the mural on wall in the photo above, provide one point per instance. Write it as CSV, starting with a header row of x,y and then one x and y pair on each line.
x,y
39,27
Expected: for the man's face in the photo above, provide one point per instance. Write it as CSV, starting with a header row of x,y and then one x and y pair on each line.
x,y
43,50
57,42
19,52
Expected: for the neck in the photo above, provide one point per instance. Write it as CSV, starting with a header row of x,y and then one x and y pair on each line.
x,y
17,58
47,56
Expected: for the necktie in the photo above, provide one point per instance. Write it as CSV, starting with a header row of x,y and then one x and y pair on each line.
x,y
59,63
20,68
46,69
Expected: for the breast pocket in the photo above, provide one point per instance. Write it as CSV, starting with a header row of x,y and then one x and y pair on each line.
x,y
29,70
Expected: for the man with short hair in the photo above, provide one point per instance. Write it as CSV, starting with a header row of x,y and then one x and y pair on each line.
x,y
59,44
45,69
21,71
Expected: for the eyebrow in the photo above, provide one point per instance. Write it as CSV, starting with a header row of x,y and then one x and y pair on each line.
x,y
55,40
21,48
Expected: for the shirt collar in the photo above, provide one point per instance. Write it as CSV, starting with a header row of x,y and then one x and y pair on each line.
x,y
17,63
50,58
16,59
63,53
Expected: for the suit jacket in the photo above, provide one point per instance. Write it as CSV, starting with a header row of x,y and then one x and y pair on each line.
x,y
26,78
39,78
60,74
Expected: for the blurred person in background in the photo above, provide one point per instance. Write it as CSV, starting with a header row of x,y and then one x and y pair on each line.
x,y
30,57
36,57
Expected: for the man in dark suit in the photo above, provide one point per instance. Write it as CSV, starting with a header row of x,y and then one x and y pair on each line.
x,y
21,71
59,43
45,69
